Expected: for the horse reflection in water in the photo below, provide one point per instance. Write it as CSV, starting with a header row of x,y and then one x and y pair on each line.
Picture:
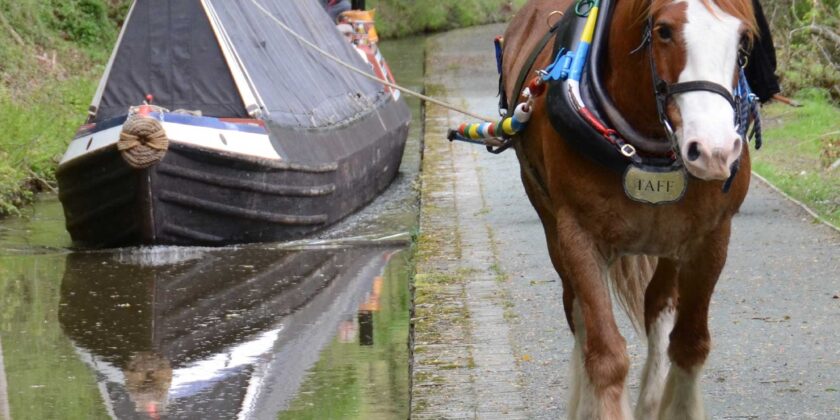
x,y
199,333
363,324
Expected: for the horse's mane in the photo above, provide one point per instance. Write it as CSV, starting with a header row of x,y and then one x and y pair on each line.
x,y
741,9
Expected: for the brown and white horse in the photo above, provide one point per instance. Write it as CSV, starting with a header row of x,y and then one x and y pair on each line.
x,y
663,261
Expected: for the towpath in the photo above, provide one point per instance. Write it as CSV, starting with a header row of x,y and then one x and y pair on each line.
x,y
490,337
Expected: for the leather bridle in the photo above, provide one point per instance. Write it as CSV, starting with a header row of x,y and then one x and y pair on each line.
x,y
664,90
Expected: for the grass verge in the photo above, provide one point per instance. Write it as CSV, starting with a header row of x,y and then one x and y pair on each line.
x,y
801,146
36,130
51,55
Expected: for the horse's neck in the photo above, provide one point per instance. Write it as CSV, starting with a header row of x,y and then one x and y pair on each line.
x,y
628,76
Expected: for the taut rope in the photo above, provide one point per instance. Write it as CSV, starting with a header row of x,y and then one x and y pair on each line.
x,y
363,73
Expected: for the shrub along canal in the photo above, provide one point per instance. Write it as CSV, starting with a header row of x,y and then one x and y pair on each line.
x,y
308,330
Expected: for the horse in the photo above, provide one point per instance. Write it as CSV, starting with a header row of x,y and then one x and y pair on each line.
x,y
661,262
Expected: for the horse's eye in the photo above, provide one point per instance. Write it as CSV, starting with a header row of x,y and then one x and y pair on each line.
x,y
664,32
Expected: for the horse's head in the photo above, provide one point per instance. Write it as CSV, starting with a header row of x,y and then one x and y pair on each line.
x,y
702,41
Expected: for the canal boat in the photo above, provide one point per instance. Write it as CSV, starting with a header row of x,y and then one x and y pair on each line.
x,y
206,333
214,125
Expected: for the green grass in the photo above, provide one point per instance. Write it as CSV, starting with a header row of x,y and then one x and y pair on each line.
x,y
51,56
800,145
35,132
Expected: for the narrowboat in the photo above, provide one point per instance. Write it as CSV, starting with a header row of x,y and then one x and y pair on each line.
x,y
214,124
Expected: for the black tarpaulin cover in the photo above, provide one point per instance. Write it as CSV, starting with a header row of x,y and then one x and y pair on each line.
x,y
299,86
169,50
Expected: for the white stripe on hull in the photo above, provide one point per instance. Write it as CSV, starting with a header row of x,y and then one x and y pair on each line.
x,y
228,141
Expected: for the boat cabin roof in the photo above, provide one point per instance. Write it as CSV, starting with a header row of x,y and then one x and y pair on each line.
x,y
226,58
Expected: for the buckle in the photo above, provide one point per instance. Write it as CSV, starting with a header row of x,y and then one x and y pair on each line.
x,y
628,150
669,130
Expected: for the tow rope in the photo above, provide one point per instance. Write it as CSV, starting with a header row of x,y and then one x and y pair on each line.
x,y
365,73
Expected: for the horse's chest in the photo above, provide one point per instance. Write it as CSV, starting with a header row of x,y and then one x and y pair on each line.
x,y
657,231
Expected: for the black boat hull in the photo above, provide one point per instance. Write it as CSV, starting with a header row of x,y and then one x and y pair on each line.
x,y
200,196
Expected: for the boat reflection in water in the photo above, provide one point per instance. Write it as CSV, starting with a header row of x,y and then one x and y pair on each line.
x,y
203,333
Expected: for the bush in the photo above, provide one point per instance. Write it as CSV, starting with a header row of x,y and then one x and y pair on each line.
x,y
83,21
809,55
51,56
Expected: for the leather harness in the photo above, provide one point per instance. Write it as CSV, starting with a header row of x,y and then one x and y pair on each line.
x,y
587,132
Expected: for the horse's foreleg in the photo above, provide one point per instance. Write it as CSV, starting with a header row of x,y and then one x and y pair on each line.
x,y
660,313
599,361
690,339
599,369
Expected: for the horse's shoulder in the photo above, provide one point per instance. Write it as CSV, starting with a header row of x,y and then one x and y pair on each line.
x,y
524,33
531,21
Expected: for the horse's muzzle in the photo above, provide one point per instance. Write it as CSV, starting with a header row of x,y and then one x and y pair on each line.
x,y
710,164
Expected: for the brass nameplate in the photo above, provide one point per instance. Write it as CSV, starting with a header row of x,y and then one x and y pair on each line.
x,y
653,185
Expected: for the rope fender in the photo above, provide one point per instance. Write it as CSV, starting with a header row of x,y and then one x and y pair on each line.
x,y
143,142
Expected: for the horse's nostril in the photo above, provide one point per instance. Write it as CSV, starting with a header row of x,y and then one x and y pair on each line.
x,y
693,151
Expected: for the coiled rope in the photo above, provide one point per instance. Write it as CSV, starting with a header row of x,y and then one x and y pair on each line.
x,y
143,142
363,73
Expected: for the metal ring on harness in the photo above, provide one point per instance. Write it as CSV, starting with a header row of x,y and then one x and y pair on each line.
x,y
583,7
669,131
628,150
551,15
744,61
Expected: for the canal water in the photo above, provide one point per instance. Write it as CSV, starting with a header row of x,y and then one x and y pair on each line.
x,y
309,330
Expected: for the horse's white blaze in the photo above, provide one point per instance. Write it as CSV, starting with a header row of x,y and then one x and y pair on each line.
x,y
656,365
712,39
683,399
